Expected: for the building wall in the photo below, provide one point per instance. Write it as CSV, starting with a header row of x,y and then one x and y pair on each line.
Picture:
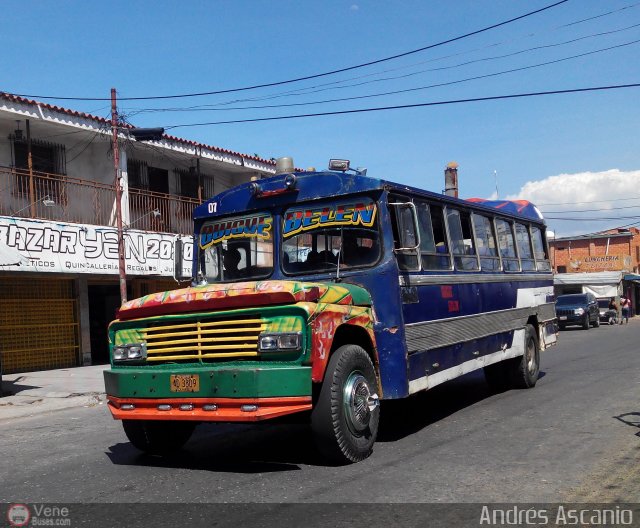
x,y
619,253
48,320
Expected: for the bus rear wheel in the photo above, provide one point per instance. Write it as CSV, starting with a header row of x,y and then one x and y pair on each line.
x,y
524,370
346,414
520,372
158,437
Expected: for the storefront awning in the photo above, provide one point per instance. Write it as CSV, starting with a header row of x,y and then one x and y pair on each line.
x,y
632,277
598,278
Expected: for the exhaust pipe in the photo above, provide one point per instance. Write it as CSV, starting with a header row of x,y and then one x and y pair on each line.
x,y
451,179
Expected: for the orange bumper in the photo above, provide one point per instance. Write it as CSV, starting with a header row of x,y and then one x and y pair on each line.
x,y
206,409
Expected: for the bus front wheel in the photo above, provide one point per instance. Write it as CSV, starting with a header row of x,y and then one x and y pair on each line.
x,y
346,414
158,437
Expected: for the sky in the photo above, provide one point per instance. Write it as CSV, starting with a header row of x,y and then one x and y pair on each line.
x,y
567,153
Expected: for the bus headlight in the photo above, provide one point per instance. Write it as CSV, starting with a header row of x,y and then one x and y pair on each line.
x,y
130,352
276,342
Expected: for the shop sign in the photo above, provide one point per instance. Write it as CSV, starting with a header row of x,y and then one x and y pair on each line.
x,y
602,263
31,245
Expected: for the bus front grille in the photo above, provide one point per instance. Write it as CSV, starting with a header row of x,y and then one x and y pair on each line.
x,y
207,340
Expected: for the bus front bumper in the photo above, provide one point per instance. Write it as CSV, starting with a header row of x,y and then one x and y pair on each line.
x,y
221,393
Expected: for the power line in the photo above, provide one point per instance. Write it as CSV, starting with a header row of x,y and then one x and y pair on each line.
x,y
592,201
419,88
591,210
415,105
314,76
305,90
590,219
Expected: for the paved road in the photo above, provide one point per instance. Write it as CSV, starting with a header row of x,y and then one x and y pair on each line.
x,y
574,437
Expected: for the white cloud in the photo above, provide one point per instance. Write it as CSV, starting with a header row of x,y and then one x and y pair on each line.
x,y
354,7
608,190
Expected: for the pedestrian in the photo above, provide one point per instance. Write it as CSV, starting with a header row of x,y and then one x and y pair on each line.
x,y
626,308
613,307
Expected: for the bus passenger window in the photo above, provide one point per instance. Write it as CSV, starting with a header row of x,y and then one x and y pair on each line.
x,y
433,239
542,260
524,248
486,243
461,235
507,246
404,235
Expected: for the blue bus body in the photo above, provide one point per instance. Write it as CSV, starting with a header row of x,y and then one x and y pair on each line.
x,y
431,326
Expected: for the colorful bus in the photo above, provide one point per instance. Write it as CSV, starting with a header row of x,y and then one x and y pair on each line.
x,y
318,294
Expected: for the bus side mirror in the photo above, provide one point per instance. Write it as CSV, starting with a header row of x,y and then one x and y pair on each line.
x,y
178,261
407,221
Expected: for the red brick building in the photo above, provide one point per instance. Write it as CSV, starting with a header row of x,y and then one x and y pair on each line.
x,y
613,250
616,250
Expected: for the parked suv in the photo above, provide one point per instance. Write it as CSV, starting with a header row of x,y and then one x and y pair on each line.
x,y
578,309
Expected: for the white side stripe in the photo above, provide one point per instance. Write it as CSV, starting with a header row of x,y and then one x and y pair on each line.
x,y
429,381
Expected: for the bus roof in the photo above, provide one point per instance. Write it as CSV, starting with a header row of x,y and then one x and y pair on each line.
x,y
310,186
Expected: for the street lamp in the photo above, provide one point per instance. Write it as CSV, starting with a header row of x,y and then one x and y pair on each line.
x,y
46,201
156,213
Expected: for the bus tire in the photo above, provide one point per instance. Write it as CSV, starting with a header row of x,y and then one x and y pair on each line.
x,y
346,414
158,437
525,369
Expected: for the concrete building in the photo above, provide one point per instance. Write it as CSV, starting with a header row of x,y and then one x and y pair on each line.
x,y
606,264
58,242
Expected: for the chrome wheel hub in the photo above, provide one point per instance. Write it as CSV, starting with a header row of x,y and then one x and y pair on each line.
x,y
531,358
359,402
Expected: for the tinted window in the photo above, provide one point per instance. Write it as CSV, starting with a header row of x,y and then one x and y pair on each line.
x,y
237,248
524,248
433,239
571,299
321,238
507,245
462,243
486,243
542,260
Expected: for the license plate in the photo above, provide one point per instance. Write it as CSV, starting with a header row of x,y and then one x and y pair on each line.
x,y
563,317
185,383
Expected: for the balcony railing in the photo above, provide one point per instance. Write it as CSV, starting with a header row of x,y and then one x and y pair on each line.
x,y
62,198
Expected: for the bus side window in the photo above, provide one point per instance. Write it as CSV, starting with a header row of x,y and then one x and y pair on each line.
x,y
405,237
542,259
507,245
524,248
486,243
433,239
462,242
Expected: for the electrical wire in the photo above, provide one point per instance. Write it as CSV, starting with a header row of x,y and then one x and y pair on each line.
x,y
420,88
592,201
415,105
301,91
314,76
590,210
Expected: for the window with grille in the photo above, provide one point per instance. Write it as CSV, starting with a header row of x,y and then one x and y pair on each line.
x,y
48,161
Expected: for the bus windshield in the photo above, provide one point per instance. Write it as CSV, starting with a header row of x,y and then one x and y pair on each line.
x,y
236,248
325,237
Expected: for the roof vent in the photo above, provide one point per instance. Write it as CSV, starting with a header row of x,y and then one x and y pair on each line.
x,y
284,165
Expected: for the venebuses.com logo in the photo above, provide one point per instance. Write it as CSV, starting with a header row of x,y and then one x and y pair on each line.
x,y
18,515
38,515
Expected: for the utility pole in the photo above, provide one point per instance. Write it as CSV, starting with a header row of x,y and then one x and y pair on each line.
x,y
199,153
32,190
118,185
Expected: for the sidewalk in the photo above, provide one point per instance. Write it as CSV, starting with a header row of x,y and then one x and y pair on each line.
x,y
31,393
